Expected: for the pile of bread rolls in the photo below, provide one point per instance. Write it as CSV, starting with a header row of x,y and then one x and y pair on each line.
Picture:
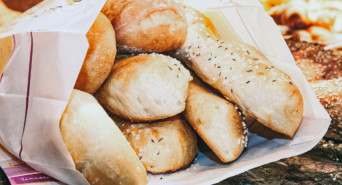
x,y
312,30
142,113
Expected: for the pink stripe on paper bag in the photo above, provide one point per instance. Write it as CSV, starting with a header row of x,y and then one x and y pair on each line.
x,y
34,178
20,170
27,95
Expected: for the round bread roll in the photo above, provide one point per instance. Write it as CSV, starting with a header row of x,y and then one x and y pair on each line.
x,y
145,88
99,149
146,25
162,146
100,56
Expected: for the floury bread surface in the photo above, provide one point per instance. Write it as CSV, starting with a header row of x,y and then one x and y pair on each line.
x,y
145,25
162,146
145,88
217,122
243,75
99,149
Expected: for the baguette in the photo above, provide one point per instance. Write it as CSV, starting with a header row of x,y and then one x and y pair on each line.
x,y
99,149
243,75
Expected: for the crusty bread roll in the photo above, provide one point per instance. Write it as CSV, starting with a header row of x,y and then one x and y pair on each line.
x,y
145,88
145,25
241,75
329,92
162,146
217,122
100,56
99,149
6,14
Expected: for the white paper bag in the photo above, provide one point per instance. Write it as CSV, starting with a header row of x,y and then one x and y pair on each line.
x,y
50,45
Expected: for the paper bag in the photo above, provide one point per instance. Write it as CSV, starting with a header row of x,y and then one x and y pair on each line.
x,y
47,57
50,45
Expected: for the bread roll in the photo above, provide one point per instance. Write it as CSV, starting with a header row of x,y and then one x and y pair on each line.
x,y
145,25
329,93
100,151
162,146
145,88
7,15
217,122
100,56
241,75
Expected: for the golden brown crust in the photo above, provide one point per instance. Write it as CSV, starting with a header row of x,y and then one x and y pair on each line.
x,y
323,69
217,122
147,25
20,5
145,88
318,62
100,56
244,76
162,146
100,151
329,92
6,14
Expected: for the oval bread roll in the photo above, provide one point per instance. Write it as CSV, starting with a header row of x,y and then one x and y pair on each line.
x,y
145,25
217,122
100,56
243,76
99,149
145,88
162,146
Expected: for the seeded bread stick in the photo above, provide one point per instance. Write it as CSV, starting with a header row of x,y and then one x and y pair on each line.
x,y
243,75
